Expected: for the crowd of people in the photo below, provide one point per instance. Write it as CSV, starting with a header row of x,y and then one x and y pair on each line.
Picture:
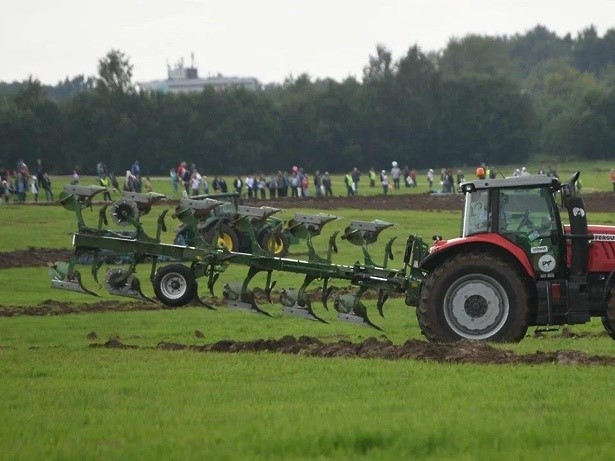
x,y
21,181
186,181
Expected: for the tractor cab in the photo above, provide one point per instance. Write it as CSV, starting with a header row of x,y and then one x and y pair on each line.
x,y
522,210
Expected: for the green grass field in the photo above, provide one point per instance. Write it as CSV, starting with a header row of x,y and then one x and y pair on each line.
x,y
62,399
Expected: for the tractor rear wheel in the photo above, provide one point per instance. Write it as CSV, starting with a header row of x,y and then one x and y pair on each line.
x,y
275,242
609,317
474,296
175,285
227,237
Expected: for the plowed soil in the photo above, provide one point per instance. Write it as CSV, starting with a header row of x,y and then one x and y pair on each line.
x,y
462,352
382,348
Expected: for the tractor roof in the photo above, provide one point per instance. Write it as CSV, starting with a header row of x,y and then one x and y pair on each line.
x,y
511,182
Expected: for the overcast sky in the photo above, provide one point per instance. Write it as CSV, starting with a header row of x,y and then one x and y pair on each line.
x,y
266,39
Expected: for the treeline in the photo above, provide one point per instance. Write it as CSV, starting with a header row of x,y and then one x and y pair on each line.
x,y
500,100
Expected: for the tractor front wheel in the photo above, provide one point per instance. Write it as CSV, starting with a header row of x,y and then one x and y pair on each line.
x,y
175,285
476,297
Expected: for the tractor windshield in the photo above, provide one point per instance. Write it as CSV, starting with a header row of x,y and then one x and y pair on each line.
x,y
525,211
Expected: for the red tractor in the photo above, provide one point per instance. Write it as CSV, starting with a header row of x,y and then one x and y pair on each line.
x,y
516,265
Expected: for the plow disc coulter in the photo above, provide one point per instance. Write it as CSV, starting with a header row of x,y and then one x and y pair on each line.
x,y
176,283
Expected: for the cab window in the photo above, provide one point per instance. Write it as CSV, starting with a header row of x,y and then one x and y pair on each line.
x,y
476,213
526,211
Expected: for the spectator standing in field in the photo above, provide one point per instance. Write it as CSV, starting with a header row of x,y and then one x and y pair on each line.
x,y
205,184
105,181
129,182
39,170
349,184
250,185
46,185
186,177
23,168
223,186
430,177
283,182
174,181
613,178
295,184
75,177
320,190
261,185
372,177
215,184
412,175
195,181
21,186
384,181
356,177
395,175
272,185
34,187
305,183
238,185
6,190
326,183
135,169
147,184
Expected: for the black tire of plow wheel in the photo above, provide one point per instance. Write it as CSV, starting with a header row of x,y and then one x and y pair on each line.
x,y
227,237
275,242
474,296
175,285
608,320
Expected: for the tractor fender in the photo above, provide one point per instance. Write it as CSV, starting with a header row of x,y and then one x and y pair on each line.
x,y
481,243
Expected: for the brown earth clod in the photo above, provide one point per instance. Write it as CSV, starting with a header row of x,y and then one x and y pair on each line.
x,y
463,352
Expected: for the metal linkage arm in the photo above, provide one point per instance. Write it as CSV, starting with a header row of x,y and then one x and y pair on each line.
x,y
75,198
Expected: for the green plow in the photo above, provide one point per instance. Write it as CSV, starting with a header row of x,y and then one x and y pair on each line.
x,y
175,270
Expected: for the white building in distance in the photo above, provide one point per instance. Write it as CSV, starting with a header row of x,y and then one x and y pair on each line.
x,y
186,80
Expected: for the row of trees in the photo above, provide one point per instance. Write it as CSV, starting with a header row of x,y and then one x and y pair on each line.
x,y
493,99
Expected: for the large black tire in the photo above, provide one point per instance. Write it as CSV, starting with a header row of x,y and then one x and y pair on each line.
x,y
227,237
175,285
608,320
275,242
474,296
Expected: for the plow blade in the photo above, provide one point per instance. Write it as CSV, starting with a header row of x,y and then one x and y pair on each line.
x,y
200,302
290,306
72,285
358,320
232,292
121,282
353,311
303,312
63,279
